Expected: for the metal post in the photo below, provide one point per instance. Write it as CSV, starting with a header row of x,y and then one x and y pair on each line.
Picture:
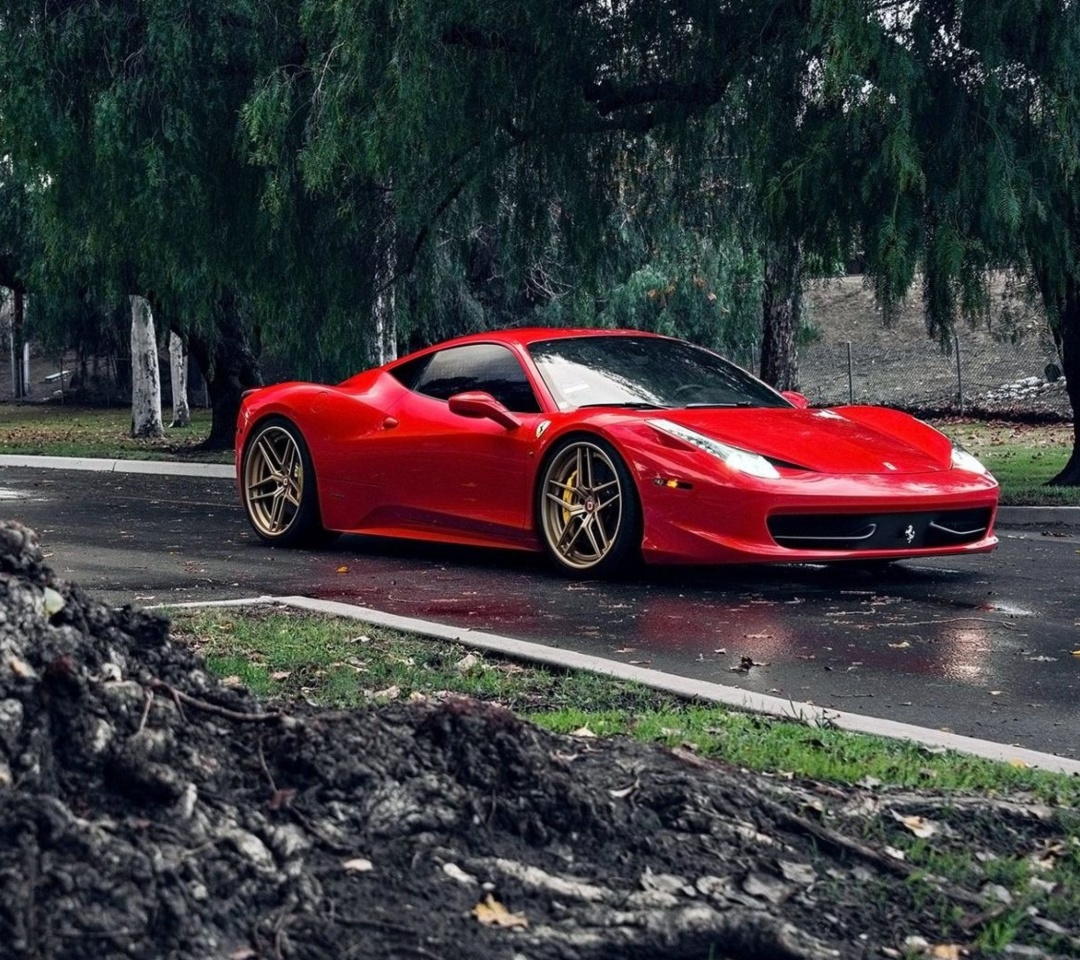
x,y
850,381
959,373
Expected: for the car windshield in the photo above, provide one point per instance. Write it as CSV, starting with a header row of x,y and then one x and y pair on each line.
x,y
644,372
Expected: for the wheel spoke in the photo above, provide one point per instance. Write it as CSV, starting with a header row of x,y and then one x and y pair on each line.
x,y
277,511
258,485
590,534
269,454
604,504
267,495
565,548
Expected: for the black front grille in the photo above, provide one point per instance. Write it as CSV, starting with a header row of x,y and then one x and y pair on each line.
x,y
879,531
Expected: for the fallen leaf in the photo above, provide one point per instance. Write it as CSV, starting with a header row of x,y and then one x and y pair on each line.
x,y
895,854
582,732
491,913
1018,763
945,951
919,826
232,681
390,693
358,865
624,792
467,663
281,675
1076,653
342,569
902,645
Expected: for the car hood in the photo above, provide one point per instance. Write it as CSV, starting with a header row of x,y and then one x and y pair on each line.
x,y
827,441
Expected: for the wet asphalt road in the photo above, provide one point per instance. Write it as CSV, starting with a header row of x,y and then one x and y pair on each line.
x,y
978,645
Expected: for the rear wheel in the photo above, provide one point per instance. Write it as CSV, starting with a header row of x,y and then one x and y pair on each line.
x,y
277,482
587,507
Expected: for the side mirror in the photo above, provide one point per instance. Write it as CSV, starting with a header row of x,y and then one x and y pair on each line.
x,y
478,404
796,398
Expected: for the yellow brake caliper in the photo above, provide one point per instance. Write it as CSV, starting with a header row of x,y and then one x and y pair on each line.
x,y
568,495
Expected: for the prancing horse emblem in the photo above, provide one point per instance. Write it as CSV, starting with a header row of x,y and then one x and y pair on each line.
x,y
909,534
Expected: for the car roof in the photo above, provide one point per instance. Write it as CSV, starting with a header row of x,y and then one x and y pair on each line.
x,y
523,336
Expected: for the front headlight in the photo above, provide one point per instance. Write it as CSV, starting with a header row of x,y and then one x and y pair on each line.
x,y
737,459
962,460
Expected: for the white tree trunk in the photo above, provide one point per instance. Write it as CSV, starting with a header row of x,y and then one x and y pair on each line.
x,y
145,380
181,412
386,305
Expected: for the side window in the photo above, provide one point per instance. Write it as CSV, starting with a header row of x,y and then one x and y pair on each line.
x,y
478,366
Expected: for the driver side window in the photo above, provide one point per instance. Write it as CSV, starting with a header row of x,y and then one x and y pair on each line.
x,y
476,366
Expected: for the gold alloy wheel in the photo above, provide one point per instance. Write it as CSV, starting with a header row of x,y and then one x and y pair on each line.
x,y
273,481
582,507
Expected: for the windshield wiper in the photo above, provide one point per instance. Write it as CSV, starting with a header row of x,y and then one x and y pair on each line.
x,y
730,403
627,405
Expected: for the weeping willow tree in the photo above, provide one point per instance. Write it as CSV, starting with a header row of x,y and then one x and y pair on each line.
x,y
125,119
938,136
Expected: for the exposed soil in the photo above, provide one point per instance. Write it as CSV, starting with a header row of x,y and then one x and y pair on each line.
x,y
146,810
1004,358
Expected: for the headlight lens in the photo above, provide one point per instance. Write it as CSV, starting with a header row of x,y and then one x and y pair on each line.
x,y
962,460
737,459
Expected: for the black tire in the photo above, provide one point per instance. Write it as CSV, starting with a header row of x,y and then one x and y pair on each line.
x,y
588,512
277,485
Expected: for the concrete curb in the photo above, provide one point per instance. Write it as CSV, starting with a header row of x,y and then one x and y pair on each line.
x,y
163,468
683,686
1023,516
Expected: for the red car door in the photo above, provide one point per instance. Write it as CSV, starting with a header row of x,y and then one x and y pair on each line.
x,y
447,476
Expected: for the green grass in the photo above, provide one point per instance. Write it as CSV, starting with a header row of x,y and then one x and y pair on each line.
x,y
1022,457
285,655
61,430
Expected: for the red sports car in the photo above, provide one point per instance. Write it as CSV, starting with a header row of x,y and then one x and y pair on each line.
x,y
597,446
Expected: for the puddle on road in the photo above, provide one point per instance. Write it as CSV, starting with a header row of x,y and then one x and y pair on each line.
x,y
1010,610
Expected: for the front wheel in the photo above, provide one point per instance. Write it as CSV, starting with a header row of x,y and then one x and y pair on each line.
x,y
277,482
587,507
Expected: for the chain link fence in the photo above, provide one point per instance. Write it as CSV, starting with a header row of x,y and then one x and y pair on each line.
x,y
1005,365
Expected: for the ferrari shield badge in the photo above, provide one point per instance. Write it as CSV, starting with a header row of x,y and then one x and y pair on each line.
x,y
541,428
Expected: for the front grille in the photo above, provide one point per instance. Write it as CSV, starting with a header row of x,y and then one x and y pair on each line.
x,y
879,531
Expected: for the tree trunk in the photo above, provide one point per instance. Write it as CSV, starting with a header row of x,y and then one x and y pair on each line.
x,y
178,375
1068,335
20,386
386,303
145,378
781,311
229,367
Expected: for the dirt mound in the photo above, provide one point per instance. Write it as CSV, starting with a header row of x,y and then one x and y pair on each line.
x,y
146,810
